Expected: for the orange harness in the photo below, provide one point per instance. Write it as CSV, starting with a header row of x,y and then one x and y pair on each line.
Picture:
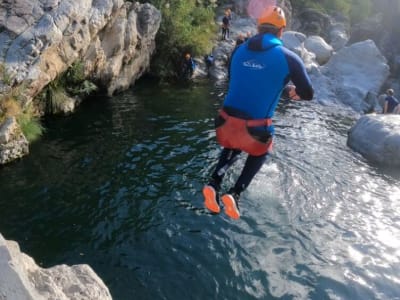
x,y
233,134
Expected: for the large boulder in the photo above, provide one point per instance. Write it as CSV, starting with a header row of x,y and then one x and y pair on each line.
x,y
295,41
351,74
338,36
39,40
22,279
322,50
377,138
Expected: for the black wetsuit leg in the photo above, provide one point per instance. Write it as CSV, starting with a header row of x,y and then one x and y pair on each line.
x,y
251,167
226,159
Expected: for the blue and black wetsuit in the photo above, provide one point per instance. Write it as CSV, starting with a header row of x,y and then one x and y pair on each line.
x,y
392,102
188,67
259,70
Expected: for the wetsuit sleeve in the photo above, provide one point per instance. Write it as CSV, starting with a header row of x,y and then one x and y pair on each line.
x,y
298,75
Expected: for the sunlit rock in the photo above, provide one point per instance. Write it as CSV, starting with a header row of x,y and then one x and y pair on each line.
x,y
377,138
294,41
39,40
21,278
351,74
13,143
338,36
317,45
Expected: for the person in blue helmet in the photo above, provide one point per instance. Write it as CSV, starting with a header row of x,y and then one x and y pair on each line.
x,y
259,72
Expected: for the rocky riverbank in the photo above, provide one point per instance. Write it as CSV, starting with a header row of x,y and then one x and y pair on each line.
x,y
115,39
346,75
21,278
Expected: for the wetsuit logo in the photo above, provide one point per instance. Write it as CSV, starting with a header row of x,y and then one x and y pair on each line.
x,y
253,64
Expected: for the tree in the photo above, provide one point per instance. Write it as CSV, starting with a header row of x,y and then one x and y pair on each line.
x,y
186,26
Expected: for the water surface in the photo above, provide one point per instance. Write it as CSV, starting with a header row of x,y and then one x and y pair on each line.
x,y
117,186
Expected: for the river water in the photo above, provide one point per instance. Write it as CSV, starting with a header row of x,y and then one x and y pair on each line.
x,y
117,185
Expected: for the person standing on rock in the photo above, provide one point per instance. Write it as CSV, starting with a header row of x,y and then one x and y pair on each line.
x,y
188,67
390,102
259,71
226,22
240,39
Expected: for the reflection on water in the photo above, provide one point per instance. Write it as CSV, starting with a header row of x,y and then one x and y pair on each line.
x,y
117,185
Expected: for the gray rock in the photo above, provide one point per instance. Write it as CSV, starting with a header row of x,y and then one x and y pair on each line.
x,y
351,74
13,143
322,50
41,39
377,138
22,279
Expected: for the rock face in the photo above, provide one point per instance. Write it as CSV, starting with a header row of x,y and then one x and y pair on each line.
x,y
22,279
39,40
322,50
350,75
13,143
377,138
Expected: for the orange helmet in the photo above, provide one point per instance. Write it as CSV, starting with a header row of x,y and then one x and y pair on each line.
x,y
273,15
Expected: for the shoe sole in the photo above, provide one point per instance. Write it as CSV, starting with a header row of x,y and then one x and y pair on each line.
x,y
210,199
231,209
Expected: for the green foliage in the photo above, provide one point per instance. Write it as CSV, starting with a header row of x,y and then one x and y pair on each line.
x,y
360,9
72,82
10,106
55,96
4,76
186,26
30,124
356,10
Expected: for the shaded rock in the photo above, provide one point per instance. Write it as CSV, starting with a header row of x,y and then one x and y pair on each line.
x,y
312,22
338,36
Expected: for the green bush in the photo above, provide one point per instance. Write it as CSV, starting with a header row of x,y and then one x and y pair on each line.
x,y
356,10
71,82
186,26
30,124
28,121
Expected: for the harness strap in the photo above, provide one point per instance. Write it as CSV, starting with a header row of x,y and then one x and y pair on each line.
x,y
249,123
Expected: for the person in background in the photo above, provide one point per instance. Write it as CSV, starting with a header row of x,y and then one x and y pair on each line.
x,y
188,66
248,35
226,22
229,11
390,102
240,39
259,71
209,60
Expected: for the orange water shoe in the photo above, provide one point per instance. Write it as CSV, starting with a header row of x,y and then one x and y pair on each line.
x,y
231,206
210,199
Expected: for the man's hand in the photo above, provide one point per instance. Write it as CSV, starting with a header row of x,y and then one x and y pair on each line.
x,y
292,93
